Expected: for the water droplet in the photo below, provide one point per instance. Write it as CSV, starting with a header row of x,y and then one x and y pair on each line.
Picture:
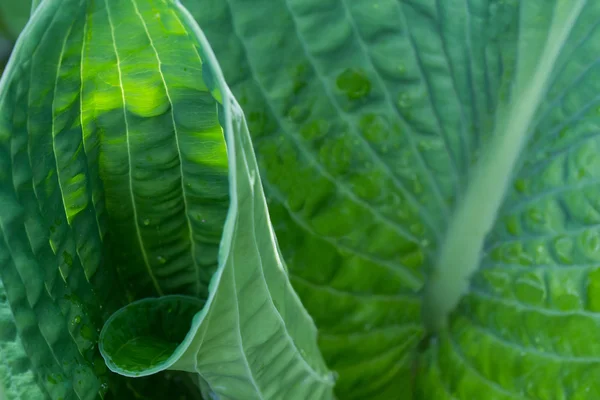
x,y
104,388
146,222
161,259
540,255
354,83
404,100
76,320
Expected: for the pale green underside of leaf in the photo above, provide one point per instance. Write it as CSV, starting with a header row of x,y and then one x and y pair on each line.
x,y
386,130
122,177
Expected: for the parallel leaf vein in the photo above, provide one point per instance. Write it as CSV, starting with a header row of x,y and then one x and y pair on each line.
x,y
180,154
129,159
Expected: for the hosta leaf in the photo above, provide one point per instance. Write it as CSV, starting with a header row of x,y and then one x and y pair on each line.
x,y
252,338
126,172
17,380
407,139
58,284
527,328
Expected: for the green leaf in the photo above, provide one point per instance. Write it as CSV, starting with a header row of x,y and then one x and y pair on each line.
x,y
252,338
415,151
144,336
526,328
126,172
17,381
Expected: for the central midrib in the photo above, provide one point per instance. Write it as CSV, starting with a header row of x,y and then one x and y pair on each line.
x,y
473,219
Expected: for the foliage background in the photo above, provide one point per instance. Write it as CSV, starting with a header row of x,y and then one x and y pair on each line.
x,y
13,16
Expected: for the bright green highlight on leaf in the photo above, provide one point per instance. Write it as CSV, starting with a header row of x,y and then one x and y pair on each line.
x,y
128,173
430,170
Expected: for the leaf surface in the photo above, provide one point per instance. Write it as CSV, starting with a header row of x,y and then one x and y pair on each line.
x,y
127,172
415,151
17,380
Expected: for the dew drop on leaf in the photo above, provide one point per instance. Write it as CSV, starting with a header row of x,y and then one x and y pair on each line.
x,y
404,101
104,388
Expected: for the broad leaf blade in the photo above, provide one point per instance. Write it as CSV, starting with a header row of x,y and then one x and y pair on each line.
x,y
527,328
162,157
252,339
430,119
364,140
115,186
53,269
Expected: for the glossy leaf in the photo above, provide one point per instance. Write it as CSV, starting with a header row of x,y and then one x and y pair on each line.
x,y
120,149
252,339
406,145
